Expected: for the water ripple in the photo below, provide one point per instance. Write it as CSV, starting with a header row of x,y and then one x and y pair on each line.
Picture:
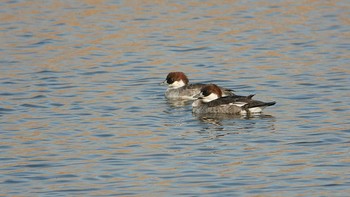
x,y
82,112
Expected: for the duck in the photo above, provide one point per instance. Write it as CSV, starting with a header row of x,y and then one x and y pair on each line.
x,y
180,88
210,100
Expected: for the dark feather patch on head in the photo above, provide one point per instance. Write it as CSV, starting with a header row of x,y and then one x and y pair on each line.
x,y
211,88
176,76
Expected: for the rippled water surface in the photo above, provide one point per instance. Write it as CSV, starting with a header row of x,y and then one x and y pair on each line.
x,y
82,112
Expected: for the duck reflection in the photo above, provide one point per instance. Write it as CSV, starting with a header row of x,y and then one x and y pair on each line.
x,y
179,103
217,119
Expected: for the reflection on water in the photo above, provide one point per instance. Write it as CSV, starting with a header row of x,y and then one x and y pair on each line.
x,y
82,112
179,103
218,118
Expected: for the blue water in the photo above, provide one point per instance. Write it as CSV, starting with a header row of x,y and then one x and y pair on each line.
x,y
82,112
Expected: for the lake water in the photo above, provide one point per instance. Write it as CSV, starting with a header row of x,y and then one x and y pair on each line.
x,y
82,112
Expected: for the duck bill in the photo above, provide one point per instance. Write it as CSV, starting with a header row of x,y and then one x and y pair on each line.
x,y
163,83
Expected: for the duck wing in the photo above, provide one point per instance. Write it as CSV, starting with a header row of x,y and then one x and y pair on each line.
x,y
195,86
228,100
240,101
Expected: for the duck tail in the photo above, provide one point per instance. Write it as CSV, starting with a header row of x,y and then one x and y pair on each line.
x,y
270,103
250,96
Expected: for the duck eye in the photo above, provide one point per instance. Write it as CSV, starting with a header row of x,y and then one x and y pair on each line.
x,y
205,93
169,80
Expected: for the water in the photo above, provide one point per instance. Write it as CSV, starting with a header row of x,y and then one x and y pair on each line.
x,y
82,112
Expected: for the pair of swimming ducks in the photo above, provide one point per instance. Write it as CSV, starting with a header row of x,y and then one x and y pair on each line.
x,y
210,98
